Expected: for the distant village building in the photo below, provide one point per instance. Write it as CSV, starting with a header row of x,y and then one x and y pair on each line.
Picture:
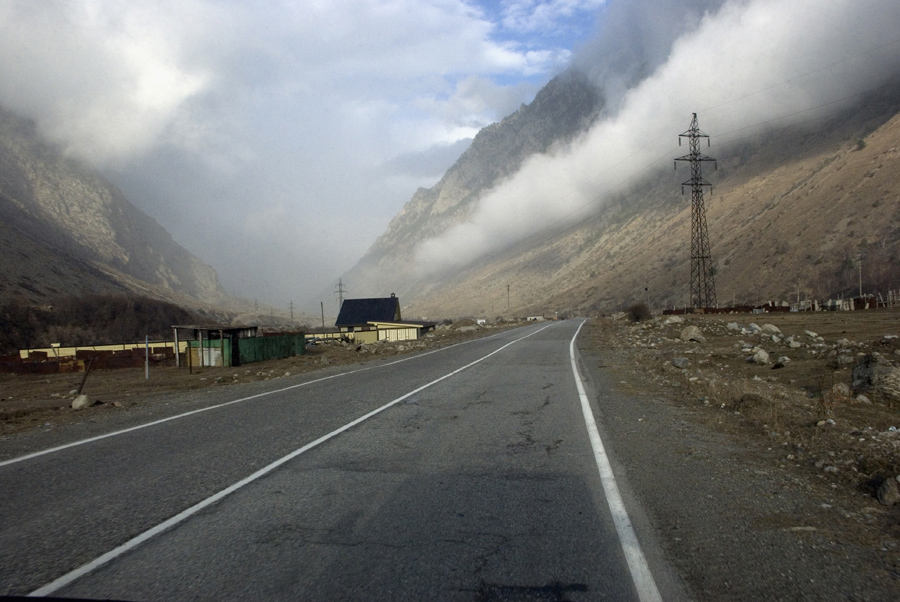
x,y
378,319
229,346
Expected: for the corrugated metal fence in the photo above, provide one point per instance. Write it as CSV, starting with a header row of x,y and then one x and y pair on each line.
x,y
258,349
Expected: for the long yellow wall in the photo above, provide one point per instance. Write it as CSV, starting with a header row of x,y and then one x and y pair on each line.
x,y
53,352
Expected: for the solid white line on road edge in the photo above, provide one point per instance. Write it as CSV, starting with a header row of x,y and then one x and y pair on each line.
x,y
221,405
637,564
83,570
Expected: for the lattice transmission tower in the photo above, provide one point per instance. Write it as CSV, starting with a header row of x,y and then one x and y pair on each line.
x,y
340,293
703,286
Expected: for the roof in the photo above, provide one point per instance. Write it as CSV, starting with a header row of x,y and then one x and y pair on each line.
x,y
357,312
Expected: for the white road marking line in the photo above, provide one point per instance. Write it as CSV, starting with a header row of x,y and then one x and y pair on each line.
x,y
634,556
91,566
222,405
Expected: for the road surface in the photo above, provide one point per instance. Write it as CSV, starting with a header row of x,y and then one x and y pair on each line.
x,y
467,473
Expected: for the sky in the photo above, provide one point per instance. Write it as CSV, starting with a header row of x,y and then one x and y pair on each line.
x,y
742,66
276,139
273,139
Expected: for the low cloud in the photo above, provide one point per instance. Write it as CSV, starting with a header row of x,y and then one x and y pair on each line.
x,y
429,164
279,114
741,64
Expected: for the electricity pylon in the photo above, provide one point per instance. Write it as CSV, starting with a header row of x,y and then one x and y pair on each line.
x,y
703,287
340,293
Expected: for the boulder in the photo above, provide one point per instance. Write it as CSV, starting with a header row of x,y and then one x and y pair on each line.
x,y
673,320
770,329
875,376
733,326
692,333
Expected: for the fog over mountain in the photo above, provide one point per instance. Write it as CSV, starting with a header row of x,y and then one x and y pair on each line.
x,y
743,66
295,130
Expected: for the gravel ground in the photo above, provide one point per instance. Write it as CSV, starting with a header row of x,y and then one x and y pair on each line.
x,y
743,514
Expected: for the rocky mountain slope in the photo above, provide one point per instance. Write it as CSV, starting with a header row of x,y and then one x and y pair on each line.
x,y
793,210
563,108
65,230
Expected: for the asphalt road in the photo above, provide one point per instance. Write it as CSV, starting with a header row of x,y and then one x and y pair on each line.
x,y
479,483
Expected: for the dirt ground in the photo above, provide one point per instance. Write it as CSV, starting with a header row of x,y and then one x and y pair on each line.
x,y
29,400
845,445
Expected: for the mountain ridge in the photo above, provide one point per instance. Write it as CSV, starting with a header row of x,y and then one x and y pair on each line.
x,y
635,247
66,230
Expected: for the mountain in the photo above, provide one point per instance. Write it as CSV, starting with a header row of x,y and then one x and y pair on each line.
x,y
565,107
794,211
65,230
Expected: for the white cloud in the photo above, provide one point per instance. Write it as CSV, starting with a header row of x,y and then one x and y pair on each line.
x,y
103,80
215,110
745,64
533,15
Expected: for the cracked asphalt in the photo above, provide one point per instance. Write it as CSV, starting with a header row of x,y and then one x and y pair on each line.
x,y
480,487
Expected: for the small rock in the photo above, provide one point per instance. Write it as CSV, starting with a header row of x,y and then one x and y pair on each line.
x,y
681,362
784,359
73,392
673,320
733,326
794,344
841,389
80,402
889,493
693,333
761,357
863,399
288,373
811,334
770,329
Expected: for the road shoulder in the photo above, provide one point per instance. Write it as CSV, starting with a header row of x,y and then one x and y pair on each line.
x,y
726,517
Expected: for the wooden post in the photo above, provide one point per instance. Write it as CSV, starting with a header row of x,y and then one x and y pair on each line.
x,y
146,357
177,356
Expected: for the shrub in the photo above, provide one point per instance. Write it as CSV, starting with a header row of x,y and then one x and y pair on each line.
x,y
638,312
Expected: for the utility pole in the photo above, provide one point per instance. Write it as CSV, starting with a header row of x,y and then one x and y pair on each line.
x,y
292,313
340,293
703,288
322,307
859,261
507,300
